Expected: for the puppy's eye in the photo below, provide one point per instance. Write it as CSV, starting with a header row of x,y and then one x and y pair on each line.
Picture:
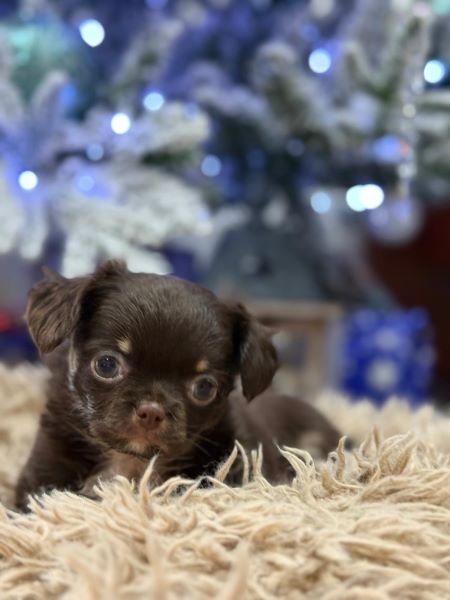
x,y
203,390
107,366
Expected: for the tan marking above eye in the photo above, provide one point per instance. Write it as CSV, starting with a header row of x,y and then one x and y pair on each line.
x,y
202,366
124,345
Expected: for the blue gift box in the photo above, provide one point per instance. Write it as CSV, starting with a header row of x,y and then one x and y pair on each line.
x,y
386,354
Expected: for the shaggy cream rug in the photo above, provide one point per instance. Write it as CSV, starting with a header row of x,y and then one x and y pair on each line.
x,y
370,525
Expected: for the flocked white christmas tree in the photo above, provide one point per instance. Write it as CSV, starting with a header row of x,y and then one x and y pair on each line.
x,y
120,191
116,183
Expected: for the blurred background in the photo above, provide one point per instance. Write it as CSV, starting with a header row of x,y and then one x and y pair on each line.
x,y
291,154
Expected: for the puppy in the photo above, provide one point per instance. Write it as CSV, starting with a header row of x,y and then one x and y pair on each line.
x,y
146,364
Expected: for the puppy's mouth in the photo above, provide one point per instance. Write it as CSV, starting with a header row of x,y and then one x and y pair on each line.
x,y
148,443
139,443
146,446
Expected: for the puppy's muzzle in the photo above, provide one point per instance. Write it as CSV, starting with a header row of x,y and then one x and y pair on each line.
x,y
150,416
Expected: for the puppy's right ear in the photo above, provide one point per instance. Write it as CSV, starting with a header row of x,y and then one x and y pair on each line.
x,y
257,356
53,309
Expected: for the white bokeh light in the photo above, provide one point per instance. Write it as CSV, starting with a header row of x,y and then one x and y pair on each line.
x,y
434,71
371,196
92,32
153,101
353,198
28,180
319,61
120,123
364,197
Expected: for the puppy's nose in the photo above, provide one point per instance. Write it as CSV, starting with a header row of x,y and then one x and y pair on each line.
x,y
150,415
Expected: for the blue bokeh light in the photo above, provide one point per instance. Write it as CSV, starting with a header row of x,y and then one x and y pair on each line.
x,y
85,183
434,71
319,61
153,101
211,166
320,202
388,148
92,32
95,151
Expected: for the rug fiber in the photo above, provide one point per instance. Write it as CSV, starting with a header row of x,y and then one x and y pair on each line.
x,y
369,525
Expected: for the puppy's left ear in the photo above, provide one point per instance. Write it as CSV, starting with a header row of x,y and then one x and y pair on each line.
x,y
54,304
257,357
53,309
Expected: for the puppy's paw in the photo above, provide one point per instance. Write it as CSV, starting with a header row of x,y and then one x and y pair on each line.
x,y
89,488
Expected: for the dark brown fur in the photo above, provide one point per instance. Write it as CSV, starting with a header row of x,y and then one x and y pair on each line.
x,y
172,327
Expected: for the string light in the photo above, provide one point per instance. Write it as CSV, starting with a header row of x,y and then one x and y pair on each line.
x,y
28,180
153,101
85,183
319,61
95,151
120,123
211,166
320,202
371,196
388,148
364,197
434,71
92,32
353,198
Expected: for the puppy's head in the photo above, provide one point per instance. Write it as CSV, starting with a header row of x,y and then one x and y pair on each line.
x,y
152,359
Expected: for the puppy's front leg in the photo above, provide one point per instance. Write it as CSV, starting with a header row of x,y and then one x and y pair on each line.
x,y
114,463
55,461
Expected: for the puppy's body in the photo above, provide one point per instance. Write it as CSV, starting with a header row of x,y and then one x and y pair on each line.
x,y
145,365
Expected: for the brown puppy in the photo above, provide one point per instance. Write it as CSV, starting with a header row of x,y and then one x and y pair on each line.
x,y
145,364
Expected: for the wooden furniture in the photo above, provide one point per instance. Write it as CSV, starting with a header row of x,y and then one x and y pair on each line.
x,y
302,334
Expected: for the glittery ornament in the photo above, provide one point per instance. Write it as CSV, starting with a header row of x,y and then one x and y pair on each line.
x,y
397,221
